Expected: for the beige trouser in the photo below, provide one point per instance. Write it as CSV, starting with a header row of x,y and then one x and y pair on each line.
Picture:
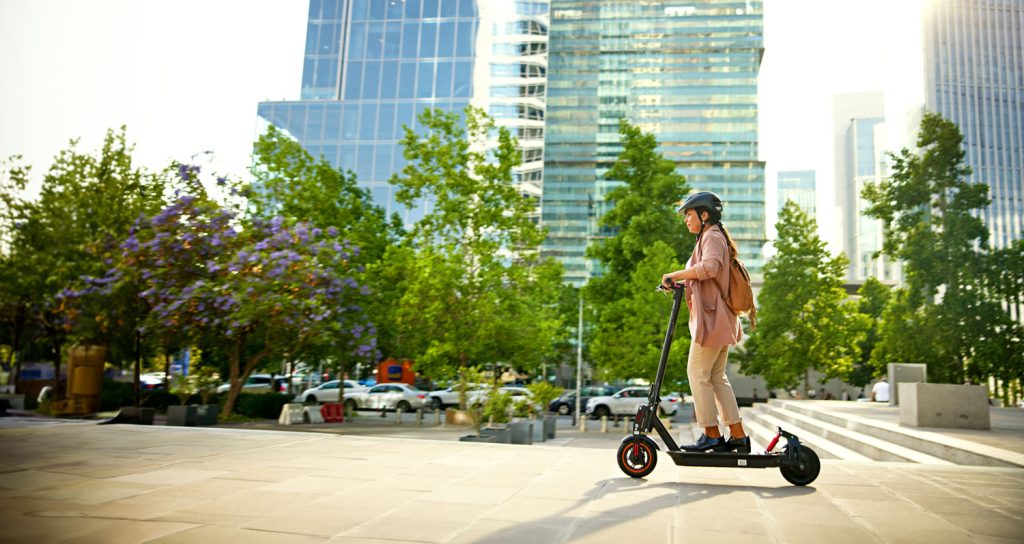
x,y
710,386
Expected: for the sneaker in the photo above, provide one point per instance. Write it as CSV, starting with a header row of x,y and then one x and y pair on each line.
x,y
705,444
738,445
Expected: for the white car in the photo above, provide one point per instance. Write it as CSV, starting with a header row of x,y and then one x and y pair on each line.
x,y
443,398
387,396
627,401
329,391
259,383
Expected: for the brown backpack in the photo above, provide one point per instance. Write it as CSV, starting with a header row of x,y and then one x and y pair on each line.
x,y
741,297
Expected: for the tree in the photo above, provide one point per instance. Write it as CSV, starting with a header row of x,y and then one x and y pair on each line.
x,y
14,299
929,211
87,204
803,321
874,297
270,289
468,285
288,182
631,330
646,239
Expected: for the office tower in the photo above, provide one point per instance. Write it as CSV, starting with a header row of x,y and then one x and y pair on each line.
x,y
686,73
798,186
974,76
860,148
372,66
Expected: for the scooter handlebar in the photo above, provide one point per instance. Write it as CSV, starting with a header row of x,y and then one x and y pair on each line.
x,y
662,288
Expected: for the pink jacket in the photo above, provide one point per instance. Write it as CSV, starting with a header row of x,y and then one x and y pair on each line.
x,y
712,324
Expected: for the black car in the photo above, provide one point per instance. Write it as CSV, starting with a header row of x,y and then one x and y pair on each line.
x,y
565,404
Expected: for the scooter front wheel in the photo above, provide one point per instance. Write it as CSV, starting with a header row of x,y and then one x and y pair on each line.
x,y
636,458
807,468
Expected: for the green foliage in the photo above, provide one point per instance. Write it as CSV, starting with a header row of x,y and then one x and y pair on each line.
x,y
543,393
466,286
183,387
803,320
498,404
874,298
646,239
64,240
631,330
958,290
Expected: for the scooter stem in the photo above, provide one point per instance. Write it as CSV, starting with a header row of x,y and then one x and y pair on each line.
x,y
677,298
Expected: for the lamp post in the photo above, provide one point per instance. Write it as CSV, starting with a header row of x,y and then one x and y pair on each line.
x,y
579,362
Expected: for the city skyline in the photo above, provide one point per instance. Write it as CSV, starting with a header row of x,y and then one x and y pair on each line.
x,y
200,94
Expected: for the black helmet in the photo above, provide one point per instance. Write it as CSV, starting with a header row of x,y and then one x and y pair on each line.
x,y
703,199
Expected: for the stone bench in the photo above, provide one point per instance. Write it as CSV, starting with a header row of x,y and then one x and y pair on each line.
x,y
944,405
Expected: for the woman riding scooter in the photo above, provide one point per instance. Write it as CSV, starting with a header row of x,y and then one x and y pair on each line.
x,y
713,327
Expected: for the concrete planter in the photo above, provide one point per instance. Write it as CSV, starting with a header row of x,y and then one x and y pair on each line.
x,y
475,438
944,405
138,416
206,414
549,426
521,432
538,430
501,436
182,416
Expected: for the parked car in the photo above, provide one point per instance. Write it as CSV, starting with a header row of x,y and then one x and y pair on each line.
x,y
152,380
387,396
329,391
566,403
259,383
626,402
443,398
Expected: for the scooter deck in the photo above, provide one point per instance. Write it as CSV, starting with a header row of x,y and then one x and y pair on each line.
x,y
727,459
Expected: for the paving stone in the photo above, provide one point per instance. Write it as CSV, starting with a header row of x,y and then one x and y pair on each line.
x,y
131,532
196,486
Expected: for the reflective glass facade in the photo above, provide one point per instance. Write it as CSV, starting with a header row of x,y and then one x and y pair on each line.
x,y
372,66
798,186
686,73
974,65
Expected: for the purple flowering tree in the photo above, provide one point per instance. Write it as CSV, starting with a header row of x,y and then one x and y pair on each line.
x,y
263,288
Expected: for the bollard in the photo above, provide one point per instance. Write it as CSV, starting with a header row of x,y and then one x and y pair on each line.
x,y
616,423
437,417
419,416
604,424
583,424
398,416
349,412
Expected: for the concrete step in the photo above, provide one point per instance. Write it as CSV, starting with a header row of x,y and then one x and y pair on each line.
x,y
766,425
938,446
854,441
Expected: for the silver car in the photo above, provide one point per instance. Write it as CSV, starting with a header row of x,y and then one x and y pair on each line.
x,y
386,396
627,401
329,391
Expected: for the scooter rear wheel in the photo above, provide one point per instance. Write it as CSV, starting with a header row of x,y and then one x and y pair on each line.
x,y
806,471
636,458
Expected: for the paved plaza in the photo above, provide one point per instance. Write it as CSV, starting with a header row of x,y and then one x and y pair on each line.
x,y
81,482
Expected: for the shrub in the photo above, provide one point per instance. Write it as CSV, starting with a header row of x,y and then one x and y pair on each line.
x,y
259,405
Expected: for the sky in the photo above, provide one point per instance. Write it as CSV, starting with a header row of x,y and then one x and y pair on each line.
x,y
185,77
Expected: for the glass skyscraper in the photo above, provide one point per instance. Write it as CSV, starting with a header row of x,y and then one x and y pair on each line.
x,y
974,66
798,186
372,66
686,73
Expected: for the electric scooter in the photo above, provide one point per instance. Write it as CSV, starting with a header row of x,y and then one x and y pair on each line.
x,y
637,455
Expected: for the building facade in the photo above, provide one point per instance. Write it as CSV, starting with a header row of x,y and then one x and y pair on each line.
x,y
798,186
974,76
687,74
372,67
